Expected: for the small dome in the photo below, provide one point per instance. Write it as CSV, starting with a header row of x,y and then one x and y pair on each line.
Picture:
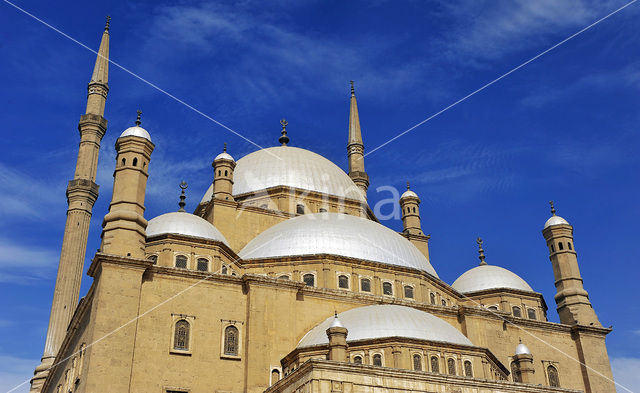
x,y
408,194
381,321
336,234
224,156
489,277
555,220
136,131
522,349
182,223
336,322
291,167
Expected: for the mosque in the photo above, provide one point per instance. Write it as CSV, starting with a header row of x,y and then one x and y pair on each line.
x,y
282,280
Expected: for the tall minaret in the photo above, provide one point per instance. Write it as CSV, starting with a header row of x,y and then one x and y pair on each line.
x,y
572,300
355,147
82,193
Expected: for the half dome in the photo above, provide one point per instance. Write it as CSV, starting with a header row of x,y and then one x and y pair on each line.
x,y
182,223
382,321
291,167
489,277
336,234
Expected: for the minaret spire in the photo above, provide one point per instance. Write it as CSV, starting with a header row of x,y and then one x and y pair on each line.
x,y
82,193
355,146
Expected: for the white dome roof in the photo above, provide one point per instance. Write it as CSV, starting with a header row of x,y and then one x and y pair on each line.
x,y
380,321
182,223
336,234
223,156
522,349
292,167
409,193
489,277
555,220
136,131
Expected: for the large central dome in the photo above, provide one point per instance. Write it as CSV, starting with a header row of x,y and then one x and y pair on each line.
x,y
336,234
291,167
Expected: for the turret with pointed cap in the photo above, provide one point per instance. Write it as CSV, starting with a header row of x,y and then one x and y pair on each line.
x,y
82,193
337,335
355,146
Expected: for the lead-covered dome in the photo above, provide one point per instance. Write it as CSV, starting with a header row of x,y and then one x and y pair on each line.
x,y
182,223
291,167
336,234
489,277
381,321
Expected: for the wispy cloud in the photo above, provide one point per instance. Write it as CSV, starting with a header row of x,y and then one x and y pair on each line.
x,y
625,372
25,196
15,371
626,77
22,264
487,30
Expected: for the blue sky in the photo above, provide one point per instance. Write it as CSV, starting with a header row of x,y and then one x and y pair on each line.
x,y
565,127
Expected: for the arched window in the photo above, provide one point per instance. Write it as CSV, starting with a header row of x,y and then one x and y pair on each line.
x,y
493,308
444,302
560,246
224,269
226,173
569,245
365,285
135,161
552,373
322,210
300,209
219,172
231,341
275,375
515,374
435,366
408,292
181,336
124,161
377,359
284,277
516,311
357,360
553,249
343,281
432,297
451,366
153,259
417,362
83,349
387,288
203,265
468,369
181,261
414,209
309,279
531,313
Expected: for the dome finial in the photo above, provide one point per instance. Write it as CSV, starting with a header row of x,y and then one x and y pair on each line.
x,y
284,139
106,26
553,209
225,147
182,204
407,185
138,122
480,251
353,90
